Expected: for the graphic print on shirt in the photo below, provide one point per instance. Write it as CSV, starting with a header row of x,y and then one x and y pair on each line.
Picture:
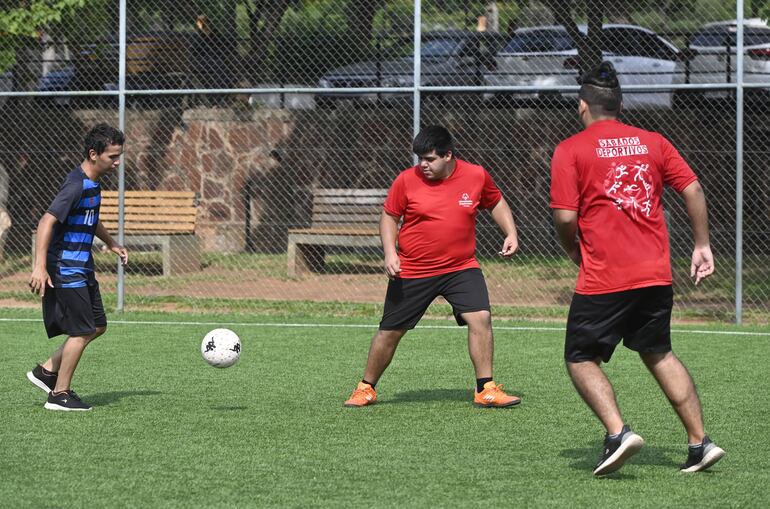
x,y
630,187
465,200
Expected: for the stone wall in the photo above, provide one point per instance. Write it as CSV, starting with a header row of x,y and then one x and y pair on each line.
x,y
254,169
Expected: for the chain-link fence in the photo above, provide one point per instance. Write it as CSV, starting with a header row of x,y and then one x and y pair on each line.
x,y
274,120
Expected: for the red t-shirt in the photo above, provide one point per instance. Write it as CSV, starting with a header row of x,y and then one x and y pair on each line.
x,y
438,232
613,175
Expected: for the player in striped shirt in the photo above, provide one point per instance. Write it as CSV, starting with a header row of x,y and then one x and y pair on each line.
x,y
63,273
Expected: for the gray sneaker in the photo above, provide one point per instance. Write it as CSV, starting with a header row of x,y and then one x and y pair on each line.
x,y
702,456
617,450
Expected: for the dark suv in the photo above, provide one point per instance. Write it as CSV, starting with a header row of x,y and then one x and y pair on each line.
x,y
448,58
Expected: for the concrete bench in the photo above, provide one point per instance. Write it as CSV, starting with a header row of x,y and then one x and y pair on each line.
x,y
340,217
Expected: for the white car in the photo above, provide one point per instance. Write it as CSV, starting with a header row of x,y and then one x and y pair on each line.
x,y
714,56
547,56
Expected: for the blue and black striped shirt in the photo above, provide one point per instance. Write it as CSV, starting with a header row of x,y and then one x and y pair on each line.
x,y
76,207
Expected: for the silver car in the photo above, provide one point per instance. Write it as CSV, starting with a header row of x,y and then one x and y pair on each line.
x,y
714,56
547,56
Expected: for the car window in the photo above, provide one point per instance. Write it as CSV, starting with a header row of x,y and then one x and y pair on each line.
x,y
638,43
439,47
721,36
539,41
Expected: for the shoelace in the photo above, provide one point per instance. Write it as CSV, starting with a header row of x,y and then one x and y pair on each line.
x,y
73,395
359,392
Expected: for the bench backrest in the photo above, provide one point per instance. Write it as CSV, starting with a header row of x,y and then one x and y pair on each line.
x,y
166,212
348,208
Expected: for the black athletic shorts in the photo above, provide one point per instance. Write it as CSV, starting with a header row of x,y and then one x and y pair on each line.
x,y
73,311
640,317
407,299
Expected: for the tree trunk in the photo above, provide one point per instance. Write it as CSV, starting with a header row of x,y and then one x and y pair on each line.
x,y
264,20
360,17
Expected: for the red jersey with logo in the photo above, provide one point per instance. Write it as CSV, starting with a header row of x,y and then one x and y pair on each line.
x,y
613,175
438,232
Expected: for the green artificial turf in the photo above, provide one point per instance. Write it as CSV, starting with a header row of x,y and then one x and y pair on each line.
x,y
167,430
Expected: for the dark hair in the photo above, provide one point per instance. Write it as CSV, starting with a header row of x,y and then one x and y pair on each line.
x,y
600,89
432,138
100,137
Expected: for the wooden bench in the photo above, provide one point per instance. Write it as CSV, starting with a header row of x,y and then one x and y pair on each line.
x,y
340,217
157,218
164,219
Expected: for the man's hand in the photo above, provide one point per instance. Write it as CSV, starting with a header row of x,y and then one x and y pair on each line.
x,y
39,280
122,252
510,245
392,265
702,265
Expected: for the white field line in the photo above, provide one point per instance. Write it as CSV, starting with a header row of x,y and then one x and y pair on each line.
x,y
373,326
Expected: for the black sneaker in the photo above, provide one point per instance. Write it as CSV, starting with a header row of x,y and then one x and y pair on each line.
x,y
617,450
67,401
702,456
45,381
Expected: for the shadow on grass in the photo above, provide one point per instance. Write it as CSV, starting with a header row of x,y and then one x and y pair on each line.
x,y
108,398
426,395
585,458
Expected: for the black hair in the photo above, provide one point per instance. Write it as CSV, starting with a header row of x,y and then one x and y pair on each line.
x,y
434,137
600,89
100,137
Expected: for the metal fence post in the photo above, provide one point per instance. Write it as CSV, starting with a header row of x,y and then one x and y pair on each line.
x,y
416,78
739,167
121,287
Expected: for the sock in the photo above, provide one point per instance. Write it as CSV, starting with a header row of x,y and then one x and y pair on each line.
x,y
370,383
480,383
48,373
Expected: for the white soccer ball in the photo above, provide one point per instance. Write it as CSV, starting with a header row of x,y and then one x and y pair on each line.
x,y
221,348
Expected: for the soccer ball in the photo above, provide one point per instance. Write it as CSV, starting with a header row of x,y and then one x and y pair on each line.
x,y
221,348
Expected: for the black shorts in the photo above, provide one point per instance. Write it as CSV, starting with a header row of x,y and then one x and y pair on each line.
x,y
640,317
73,311
407,299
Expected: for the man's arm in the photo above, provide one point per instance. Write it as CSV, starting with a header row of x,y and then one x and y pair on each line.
x,y
40,277
702,265
388,236
105,236
566,223
502,215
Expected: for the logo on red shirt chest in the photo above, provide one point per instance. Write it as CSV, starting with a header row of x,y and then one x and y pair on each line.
x,y
465,201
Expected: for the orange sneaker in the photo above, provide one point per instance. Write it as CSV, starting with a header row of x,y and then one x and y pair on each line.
x,y
362,396
493,396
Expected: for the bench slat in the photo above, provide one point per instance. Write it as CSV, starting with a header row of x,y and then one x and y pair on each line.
x,y
142,226
154,212
145,202
151,194
336,231
350,192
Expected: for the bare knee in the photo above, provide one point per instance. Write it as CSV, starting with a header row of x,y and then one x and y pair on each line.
x,y
478,320
388,336
98,332
652,359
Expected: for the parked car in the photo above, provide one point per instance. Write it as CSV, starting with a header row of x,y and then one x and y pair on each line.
x,y
713,60
547,56
448,58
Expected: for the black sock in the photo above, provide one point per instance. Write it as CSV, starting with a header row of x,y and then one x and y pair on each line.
x,y
48,373
480,383
370,383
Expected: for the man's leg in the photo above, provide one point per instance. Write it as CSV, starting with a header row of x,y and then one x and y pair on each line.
x,y
381,351
480,342
66,358
679,388
481,349
596,390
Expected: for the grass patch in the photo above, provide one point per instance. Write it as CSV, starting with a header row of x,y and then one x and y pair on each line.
x,y
169,431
